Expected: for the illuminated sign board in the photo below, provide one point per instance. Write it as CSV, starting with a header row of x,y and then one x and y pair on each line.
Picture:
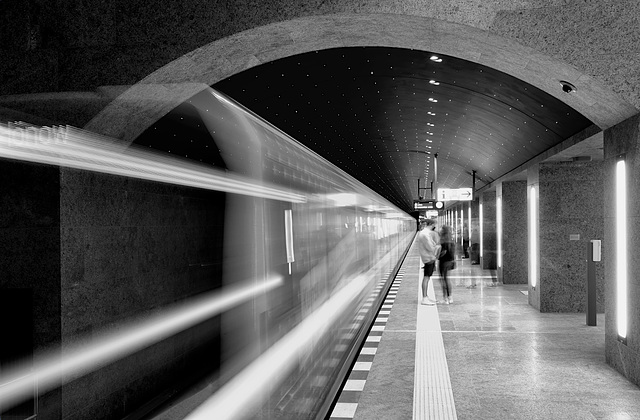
x,y
455,194
427,205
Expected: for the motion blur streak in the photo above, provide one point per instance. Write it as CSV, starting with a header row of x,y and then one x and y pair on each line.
x,y
80,152
87,356
247,390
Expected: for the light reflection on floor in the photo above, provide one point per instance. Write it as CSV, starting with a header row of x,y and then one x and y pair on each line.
x,y
508,361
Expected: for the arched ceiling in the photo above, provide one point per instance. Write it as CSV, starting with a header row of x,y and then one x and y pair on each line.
x,y
381,142
180,79
382,114
505,97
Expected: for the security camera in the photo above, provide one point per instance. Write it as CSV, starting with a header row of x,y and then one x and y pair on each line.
x,y
567,87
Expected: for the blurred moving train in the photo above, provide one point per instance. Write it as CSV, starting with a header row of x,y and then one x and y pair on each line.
x,y
301,257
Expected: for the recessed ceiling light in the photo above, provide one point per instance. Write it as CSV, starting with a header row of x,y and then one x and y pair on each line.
x,y
433,100
433,82
436,59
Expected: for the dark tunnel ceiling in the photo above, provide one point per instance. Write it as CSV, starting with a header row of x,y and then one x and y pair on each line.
x,y
370,111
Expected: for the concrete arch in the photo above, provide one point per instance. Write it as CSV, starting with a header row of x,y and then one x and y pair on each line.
x,y
175,82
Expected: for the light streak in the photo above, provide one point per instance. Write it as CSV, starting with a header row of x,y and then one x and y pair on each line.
x,y
469,228
533,236
80,151
462,230
84,357
481,217
247,390
499,229
621,249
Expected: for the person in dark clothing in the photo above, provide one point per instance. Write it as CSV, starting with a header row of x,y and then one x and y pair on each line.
x,y
446,262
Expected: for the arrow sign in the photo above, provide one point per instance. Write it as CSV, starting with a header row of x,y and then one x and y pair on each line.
x,y
455,194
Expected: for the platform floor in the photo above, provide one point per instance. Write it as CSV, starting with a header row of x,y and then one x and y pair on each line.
x,y
488,355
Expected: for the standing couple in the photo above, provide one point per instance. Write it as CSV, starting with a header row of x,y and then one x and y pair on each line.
x,y
432,249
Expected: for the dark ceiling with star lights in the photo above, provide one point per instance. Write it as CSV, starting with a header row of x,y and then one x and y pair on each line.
x,y
381,114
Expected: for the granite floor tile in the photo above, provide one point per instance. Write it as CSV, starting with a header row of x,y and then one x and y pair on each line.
x,y
508,361
505,359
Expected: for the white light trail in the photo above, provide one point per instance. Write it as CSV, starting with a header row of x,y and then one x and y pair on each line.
x,y
84,357
78,150
246,391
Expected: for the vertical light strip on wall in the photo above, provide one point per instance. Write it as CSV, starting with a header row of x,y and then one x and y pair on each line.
x,y
499,229
455,224
469,224
533,237
621,249
481,228
288,236
462,229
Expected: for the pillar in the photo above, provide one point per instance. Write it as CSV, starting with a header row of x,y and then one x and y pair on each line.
x,y
570,215
514,233
489,244
30,295
623,355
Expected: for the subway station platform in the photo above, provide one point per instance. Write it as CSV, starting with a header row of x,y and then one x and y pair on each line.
x,y
488,355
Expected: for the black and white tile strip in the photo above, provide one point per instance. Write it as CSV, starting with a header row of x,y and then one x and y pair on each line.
x,y
347,403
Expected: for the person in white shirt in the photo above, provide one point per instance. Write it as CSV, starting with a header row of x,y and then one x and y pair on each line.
x,y
429,248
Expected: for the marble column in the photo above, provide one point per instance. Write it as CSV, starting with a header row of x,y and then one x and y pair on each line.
x,y
474,238
129,249
571,214
514,233
489,241
621,142
30,317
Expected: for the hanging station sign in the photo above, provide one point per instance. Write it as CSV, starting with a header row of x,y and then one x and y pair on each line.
x,y
427,205
455,194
